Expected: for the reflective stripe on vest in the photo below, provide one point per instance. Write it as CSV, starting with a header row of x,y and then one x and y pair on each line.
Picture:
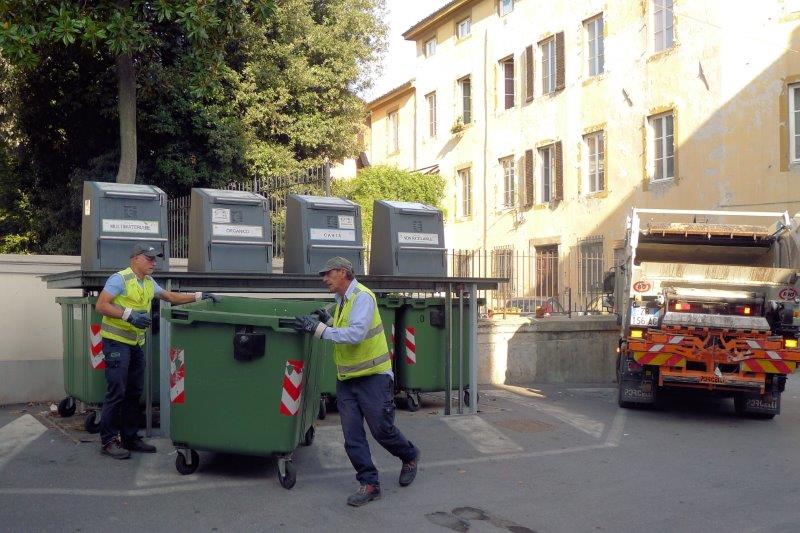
x,y
363,366
130,335
138,298
371,355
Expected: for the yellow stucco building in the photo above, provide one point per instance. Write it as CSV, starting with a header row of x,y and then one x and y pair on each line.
x,y
550,120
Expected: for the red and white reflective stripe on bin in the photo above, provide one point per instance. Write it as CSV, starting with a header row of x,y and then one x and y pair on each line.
x,y
292,387
96,357
411,347
177,369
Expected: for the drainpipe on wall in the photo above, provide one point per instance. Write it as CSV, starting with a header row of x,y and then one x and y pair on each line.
x,y
414,144
485,135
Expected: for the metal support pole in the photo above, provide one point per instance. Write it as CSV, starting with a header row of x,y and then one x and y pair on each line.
x,y
473,342
460,347
448,346
148,383
163,389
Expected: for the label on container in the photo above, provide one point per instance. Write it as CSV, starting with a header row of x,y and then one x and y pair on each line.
x,y
347,222
236,230
77,313
87,207
417,238
130,226
116,187
326,234
220,215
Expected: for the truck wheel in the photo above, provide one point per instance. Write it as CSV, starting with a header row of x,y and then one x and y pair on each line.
x,y
738,404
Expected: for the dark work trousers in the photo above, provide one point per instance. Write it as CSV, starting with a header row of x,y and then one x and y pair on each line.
x,y
125,382
370,398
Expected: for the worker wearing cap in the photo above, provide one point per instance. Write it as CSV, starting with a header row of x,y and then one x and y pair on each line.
x,y
125,303
365,383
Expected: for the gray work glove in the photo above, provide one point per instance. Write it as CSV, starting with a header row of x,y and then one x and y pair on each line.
x,y
139,319
206,296
323,315
309,324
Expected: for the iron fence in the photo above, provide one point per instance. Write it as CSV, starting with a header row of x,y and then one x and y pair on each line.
x,y
314,181
538,283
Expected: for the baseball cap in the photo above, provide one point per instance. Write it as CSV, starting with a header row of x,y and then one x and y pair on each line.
x,y
336,262
147,250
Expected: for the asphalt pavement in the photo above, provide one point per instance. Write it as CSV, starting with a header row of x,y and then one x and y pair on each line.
x,y
536,458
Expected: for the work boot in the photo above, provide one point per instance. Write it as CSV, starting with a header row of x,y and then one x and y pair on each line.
x,y
113,448
409,471
138,445
365,494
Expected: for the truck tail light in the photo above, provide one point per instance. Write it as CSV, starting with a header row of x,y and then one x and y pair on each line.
x,y
744,310
633,366
790,343
683,306
637,333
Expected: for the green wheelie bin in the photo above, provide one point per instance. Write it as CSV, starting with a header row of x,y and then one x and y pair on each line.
x,y
420,365
388,307
83,361
242,380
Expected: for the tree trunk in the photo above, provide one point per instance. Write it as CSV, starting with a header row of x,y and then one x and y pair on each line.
x,y
126,93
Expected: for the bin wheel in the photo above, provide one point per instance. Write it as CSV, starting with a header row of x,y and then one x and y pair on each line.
x,y
92,422
66,407
287,480
182,467
308,440
466,397
413,401
323,409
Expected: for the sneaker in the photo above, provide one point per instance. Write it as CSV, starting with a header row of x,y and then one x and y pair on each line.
x,y
138,445
113,448
409,471
365,494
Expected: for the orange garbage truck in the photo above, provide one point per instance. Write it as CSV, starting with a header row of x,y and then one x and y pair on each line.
x,y
708,300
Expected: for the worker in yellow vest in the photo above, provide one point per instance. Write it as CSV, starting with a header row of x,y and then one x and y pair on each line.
x,y
125,303
365,384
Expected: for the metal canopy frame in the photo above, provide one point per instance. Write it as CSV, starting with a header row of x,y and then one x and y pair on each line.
x,y
94,280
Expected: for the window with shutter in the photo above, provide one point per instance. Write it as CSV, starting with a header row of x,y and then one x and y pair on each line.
x,y
548,47
528,73
560,61
558,178
509,181
507,68
528,178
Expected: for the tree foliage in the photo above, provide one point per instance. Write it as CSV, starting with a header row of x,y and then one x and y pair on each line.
x,y
389,183
282,95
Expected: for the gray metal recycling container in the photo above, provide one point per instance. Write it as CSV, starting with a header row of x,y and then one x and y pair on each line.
x,y
118,216
229,231
407,240
321,227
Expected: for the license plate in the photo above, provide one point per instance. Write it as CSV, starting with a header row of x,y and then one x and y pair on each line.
x,y
641,316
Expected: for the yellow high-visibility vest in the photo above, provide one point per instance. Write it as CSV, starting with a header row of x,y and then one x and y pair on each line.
x,y
137,297
370,356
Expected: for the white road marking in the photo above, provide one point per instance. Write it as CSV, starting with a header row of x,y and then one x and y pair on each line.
x,y
159,468
329,445
15,435
612,441
483,436
578,421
